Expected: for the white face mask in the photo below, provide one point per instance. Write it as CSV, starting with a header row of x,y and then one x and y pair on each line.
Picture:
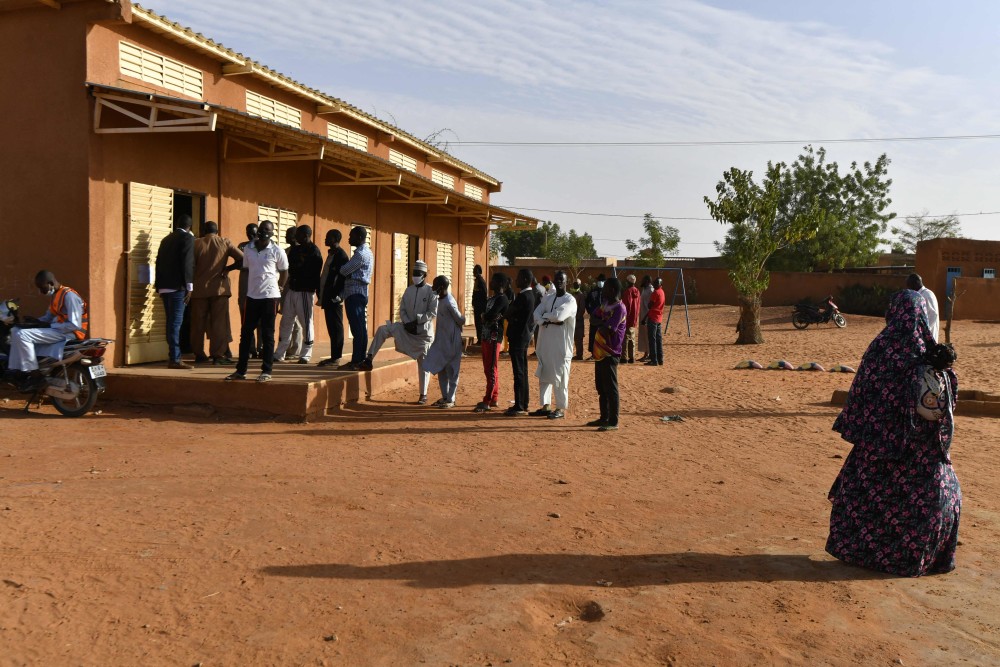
x,y
52,290
600,283
417,279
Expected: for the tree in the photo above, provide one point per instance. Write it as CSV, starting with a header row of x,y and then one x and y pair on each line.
x,y
758,228
920,227
652,249
569,249
854,205
564,248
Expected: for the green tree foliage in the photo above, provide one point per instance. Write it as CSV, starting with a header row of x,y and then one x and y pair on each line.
x,y
758,228
853,206
920,227
565,249
570,249
652,249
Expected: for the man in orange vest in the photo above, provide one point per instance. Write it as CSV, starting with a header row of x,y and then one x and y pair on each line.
x,y
65,319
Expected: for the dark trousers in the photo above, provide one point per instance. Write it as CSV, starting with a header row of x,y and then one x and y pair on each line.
x,y
173,304
595,324
477,315
357,319
259,313
491,367
578,338
606,379
519,365
655,337
334,313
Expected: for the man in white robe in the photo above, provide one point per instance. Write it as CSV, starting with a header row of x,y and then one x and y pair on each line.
x,y
555,318
414,331
916,283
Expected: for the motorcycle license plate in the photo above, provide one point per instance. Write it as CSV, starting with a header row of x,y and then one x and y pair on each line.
x,y
98,371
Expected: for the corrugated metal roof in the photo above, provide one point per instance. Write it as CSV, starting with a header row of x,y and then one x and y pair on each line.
x,y
177,32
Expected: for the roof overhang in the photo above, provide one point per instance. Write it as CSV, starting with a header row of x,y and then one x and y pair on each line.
x,y
248,138
236,64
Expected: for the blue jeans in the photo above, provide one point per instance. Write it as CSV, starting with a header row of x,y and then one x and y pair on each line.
x,y
354,307
173,304
655,337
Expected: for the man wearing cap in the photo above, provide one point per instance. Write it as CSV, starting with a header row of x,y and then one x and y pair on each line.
x,y
414,332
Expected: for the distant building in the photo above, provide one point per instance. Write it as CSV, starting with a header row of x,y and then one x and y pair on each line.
x,y
966,268
117,120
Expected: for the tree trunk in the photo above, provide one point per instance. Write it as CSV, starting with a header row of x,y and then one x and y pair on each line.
x,y
749,324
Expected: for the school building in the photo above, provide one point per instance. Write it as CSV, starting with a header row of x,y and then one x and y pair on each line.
x,y
117,121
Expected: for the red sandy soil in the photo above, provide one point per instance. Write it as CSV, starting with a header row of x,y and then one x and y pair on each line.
x,y
393,534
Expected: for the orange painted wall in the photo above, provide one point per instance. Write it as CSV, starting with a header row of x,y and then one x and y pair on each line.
x,y
43,150
972,256
978,299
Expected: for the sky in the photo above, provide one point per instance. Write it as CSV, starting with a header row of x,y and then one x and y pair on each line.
x,y
485,76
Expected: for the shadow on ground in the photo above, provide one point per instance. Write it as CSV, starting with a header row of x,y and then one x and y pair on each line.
x,y
587,570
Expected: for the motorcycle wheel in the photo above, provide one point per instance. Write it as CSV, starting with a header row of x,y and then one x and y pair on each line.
x,y
85,400
798,321
839,320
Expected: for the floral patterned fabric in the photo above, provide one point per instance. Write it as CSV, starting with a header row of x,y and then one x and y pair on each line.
x,y
896,501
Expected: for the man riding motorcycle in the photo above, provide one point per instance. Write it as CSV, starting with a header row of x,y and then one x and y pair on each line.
x,y
66,319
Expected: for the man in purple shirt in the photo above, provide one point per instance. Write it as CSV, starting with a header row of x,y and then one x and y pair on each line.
x,y
611,320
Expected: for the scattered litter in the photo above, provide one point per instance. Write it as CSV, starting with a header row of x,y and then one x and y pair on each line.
x,y
672,418
330,638
555,515
561,481
603,582
211,595
565,621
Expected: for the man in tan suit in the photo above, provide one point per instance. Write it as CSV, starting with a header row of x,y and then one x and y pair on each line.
x,y
210,298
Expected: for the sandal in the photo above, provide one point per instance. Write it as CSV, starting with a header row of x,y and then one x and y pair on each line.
x,y
422,400
481,407
264,377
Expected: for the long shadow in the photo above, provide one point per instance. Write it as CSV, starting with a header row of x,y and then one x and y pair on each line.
x,y
587,570
526,429
739,413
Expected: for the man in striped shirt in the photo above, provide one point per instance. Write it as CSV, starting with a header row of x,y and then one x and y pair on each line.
x,y
358,274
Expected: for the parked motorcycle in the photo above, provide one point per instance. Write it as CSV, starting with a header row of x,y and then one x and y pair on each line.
x,y
73,382
805,314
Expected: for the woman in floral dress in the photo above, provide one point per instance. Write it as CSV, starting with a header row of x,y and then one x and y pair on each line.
x,y
896,501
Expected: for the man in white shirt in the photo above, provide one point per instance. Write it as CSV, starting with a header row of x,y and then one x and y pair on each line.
x,y
555,317
267,271
916,283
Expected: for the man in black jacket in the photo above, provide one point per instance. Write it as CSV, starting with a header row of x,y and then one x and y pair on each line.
x,y
479,297
305,264
174,283
593,303
519,327
330,285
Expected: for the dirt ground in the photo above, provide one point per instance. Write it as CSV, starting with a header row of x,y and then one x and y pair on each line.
x,y
394,534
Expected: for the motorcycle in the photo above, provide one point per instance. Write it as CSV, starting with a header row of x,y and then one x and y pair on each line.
x,y
73,381
805,314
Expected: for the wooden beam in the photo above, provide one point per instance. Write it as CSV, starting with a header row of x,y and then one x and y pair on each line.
x,y
328,108
233,69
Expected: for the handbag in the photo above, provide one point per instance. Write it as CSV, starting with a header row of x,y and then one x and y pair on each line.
x,y
933,394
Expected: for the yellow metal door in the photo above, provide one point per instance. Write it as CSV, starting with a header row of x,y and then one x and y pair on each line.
x,y
151,219
400,270
445,261
470,281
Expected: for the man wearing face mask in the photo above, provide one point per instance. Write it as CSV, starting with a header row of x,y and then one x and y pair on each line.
x,y
65,319
556,320
414,332
593,303
267,271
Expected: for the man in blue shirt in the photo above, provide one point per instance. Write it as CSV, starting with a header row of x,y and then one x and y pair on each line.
x,y
358,274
